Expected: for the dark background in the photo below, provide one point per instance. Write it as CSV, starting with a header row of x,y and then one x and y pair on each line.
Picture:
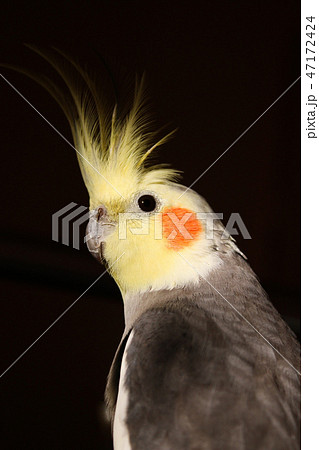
x,y
212,68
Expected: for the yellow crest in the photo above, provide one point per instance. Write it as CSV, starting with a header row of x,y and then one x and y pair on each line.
x,y
111,150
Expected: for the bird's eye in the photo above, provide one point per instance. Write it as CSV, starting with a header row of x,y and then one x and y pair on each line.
x,y
147,203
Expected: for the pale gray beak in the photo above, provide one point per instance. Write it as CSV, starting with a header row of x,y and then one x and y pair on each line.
x,y
97,230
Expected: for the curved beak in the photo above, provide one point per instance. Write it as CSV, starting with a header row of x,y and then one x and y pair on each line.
x,y
97,230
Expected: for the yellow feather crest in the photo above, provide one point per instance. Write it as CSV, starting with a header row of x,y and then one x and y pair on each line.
x,y
111,150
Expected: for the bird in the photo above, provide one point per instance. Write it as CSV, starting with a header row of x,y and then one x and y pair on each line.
x,y
205,360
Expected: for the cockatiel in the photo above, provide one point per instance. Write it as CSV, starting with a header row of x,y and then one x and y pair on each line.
x,y
205,361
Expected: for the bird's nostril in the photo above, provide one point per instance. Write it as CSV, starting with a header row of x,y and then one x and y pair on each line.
x,y
100,212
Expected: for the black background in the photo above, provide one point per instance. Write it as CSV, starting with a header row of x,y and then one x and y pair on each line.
x,y
212,68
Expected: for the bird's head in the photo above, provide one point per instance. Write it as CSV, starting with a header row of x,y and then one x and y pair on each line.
x,y
149,231
153,237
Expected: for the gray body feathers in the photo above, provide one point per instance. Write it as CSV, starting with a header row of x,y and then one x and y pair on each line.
x,y
200,377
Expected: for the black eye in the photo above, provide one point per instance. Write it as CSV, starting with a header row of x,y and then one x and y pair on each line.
x,y
147,203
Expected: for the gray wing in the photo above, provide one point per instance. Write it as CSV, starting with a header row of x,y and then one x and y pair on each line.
x,y
196,383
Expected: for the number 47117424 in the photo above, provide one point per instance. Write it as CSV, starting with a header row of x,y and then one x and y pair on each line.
x,y
310,46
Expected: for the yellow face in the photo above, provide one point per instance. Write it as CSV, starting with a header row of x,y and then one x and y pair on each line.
x,y
153,238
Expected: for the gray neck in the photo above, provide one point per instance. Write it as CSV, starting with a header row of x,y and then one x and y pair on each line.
x,y
233,279
136,304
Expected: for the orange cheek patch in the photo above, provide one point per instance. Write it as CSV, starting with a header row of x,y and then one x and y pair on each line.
x,y
180,227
